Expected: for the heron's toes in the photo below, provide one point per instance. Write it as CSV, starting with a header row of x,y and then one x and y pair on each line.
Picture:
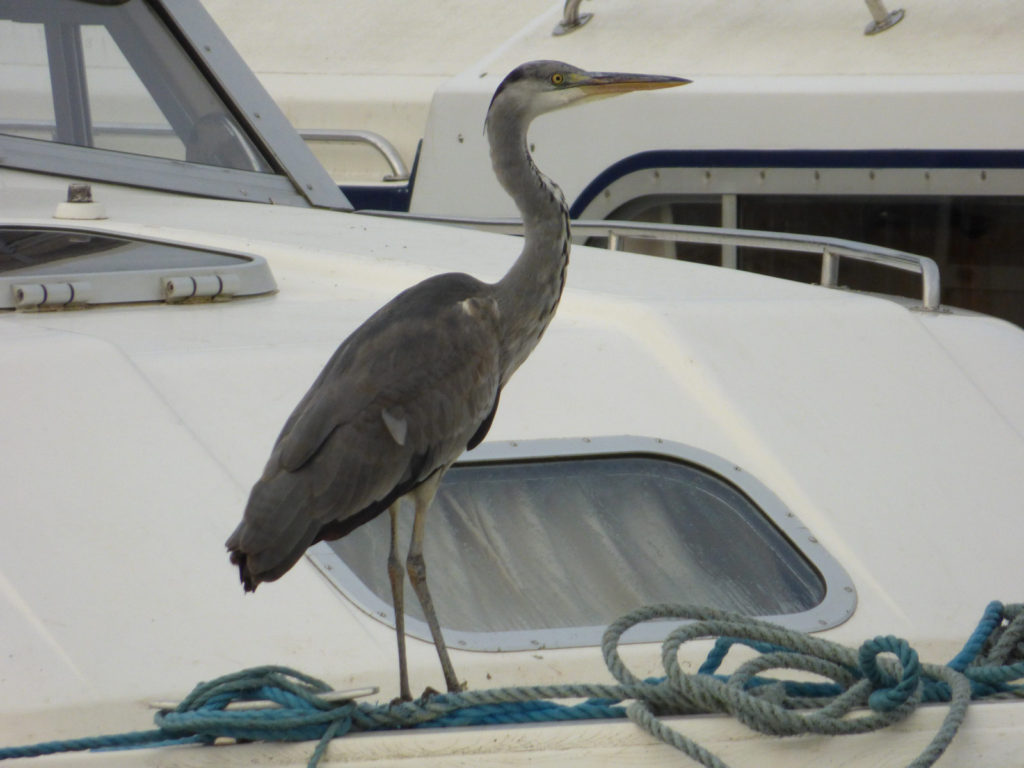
x,y
427,695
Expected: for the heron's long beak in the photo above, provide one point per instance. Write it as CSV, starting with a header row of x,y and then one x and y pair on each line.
x,y
611,83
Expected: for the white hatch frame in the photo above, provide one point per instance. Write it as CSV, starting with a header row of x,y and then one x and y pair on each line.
x,y
66,286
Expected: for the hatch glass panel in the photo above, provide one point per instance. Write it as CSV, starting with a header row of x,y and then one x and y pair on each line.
x,y
42,253
546,550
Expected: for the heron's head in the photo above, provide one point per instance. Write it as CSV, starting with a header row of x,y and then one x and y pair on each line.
x,y
537,87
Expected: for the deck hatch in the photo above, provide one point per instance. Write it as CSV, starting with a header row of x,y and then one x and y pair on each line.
x,y
43,267
543,543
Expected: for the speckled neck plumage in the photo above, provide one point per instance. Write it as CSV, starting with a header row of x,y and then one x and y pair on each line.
x,y
529,293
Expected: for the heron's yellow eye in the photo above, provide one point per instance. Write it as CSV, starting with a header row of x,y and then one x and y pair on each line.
x,y
557,79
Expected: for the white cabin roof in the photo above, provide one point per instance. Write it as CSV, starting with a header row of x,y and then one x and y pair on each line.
x,y
797,39
376,67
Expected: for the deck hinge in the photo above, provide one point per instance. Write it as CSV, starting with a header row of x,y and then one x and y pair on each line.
x,y
29,296
185,287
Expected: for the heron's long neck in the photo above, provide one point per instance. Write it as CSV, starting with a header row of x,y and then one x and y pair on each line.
x,y
528,294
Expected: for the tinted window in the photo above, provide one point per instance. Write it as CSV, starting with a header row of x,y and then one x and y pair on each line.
x,y
977,242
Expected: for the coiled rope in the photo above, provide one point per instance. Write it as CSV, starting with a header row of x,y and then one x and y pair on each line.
x,y
887,689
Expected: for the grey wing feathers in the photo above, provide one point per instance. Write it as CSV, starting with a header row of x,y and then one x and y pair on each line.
x,y
424,368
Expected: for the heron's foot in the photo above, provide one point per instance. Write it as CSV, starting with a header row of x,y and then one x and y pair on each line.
x,y
427,695
429,692
399,700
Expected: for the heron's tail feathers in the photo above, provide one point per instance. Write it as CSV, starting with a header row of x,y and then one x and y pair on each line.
x,y
239,558
271,538
257,566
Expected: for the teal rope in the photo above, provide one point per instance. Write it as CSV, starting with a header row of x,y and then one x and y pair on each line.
x,y
886,689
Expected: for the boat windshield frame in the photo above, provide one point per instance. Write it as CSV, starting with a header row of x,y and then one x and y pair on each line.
x,y
290,174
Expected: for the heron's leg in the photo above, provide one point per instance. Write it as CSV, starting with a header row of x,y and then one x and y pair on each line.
x,y
397,576
418,577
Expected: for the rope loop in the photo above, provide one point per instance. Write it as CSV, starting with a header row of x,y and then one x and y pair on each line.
x,y
864,677
301,714
889,692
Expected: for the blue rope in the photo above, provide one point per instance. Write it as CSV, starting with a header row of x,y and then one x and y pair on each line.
x,y
890,688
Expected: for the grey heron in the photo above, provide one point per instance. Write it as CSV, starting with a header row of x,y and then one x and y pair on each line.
x,y
418,383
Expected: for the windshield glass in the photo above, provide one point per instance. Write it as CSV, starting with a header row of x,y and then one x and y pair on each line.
x,y
112,77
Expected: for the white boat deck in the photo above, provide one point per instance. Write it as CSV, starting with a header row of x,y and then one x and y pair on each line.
x,y
765,372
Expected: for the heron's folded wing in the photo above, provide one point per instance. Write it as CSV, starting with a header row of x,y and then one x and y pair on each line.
x,y
427,371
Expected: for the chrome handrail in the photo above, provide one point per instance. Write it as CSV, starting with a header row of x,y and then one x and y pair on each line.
x,y
399,171
571,18
881,18
831,249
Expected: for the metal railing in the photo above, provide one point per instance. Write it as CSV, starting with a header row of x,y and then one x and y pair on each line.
x,y
399,171
881,18
830,249
571,18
